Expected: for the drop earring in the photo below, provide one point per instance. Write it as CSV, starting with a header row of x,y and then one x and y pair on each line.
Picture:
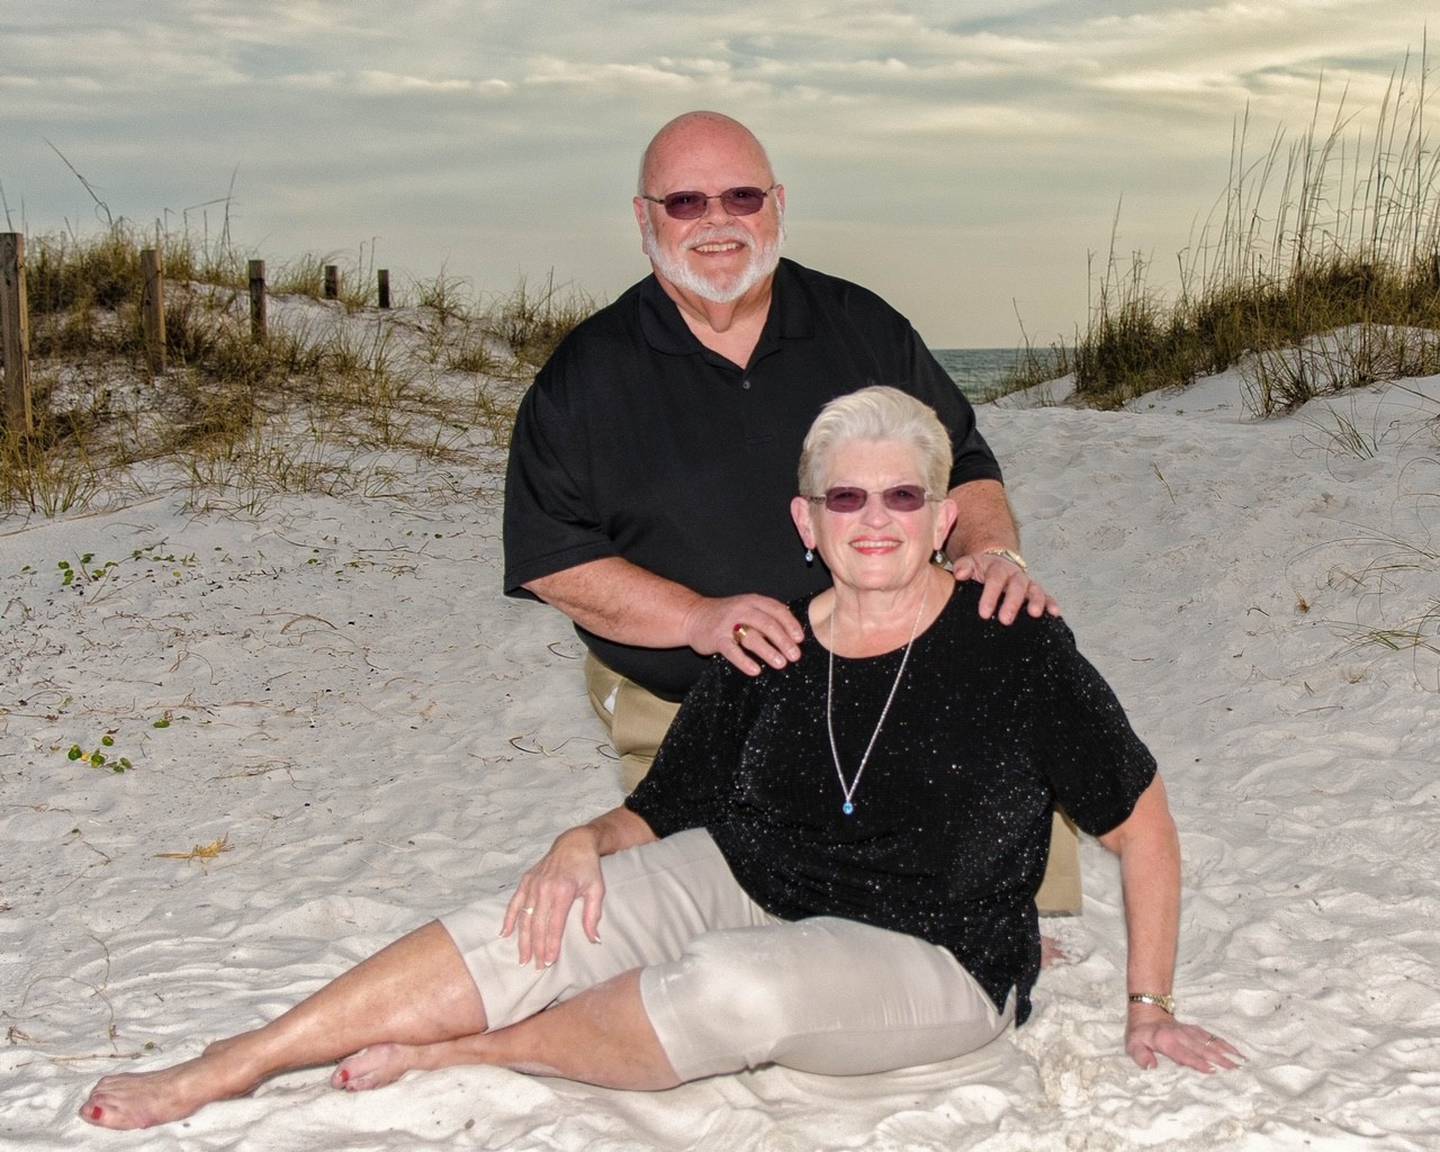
x,y
940,557
809,555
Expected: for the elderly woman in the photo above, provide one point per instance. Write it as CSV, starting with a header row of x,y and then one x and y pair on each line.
x,y
831,866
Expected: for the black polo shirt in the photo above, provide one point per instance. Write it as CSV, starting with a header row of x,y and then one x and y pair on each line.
x,y
638,441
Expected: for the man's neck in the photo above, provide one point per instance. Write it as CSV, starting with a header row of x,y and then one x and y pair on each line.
x,y
732,330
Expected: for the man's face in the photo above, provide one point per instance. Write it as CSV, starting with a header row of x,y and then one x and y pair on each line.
x,y
717,257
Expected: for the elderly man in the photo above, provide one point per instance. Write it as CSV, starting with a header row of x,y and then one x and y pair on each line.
x,y
653,459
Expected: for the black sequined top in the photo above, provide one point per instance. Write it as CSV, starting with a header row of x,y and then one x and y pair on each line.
x,y
948,841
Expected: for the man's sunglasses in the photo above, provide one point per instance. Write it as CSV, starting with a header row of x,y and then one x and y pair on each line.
x,y
691,205
901,498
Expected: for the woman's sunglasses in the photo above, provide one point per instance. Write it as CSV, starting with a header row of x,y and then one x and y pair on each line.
x,y
691,205
900,498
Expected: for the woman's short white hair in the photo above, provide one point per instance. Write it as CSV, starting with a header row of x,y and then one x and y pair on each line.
x,y
877,413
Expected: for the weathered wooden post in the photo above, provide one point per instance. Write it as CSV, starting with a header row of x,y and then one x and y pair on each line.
x,y
1435,270
332,282
15,334
384,288
258,314
152,307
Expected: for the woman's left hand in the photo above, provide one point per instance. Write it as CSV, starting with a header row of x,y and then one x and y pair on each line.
x,y
1153,1032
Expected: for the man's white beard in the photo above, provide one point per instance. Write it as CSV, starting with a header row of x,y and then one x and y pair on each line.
x,y
763,261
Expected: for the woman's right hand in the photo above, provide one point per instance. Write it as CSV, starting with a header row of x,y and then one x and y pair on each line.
x,y
541,904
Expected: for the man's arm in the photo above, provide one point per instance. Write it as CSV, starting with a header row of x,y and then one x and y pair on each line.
x,y
983,522
628,604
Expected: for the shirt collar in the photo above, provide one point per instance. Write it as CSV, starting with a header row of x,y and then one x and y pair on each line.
x,y
665,329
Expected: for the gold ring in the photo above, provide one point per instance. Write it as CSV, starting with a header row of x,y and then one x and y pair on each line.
x,y
740,633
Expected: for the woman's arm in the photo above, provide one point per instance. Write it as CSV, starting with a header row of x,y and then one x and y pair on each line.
x,y
1149,854
569,871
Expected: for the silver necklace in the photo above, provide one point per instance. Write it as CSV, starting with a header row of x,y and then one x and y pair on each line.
x,y
849,789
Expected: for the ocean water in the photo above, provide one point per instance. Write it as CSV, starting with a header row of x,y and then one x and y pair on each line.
x,y
976,370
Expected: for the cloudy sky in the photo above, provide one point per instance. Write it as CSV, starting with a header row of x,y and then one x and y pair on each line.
x,y
961,157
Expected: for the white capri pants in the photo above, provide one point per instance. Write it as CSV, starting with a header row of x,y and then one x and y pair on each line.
x,y
728,986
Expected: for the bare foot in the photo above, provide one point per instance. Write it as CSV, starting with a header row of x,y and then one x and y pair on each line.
x,y
374,1067
1051,953
144,1099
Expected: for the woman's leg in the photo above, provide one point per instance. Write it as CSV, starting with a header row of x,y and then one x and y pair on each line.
x,y
415,991
583,1019
602,1036
421,991
823,995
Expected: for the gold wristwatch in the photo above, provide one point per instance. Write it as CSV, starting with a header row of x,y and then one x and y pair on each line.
x,y
1165,1002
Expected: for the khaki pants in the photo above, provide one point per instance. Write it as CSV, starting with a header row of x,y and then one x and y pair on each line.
x,y
726,985
637,721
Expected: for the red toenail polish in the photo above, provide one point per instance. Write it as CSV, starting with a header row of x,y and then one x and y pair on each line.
x,y
96,1112
344,1076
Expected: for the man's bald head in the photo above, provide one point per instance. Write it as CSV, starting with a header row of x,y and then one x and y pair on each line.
x,y
701,130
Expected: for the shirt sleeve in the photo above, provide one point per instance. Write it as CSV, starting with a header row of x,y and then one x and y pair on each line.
x,y
551,522
692,781
1084,744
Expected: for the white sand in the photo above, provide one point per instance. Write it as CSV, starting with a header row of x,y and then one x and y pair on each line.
x,y
379,735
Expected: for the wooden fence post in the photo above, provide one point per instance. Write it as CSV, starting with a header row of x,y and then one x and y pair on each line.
x,y
258,315
1435,269
332,282
152,306
15,334
384,288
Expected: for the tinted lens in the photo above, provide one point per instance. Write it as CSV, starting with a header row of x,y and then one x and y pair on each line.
x,y
901,498
904,498
736,202
742,201
686,205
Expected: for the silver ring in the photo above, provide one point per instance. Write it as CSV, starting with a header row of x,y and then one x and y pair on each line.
x,y
528,911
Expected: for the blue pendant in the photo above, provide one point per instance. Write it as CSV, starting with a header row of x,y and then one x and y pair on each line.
x,y
848,808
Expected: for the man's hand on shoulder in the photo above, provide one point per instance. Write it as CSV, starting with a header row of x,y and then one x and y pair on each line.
x,y
744,628
1007,584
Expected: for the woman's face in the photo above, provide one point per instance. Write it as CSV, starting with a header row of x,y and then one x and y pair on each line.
x,y
875,548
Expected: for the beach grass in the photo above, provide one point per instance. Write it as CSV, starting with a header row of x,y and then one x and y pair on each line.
x,y
1335,231
244,419
1032,368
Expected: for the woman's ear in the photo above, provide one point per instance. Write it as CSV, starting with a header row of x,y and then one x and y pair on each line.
x,y
945,515
800,513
